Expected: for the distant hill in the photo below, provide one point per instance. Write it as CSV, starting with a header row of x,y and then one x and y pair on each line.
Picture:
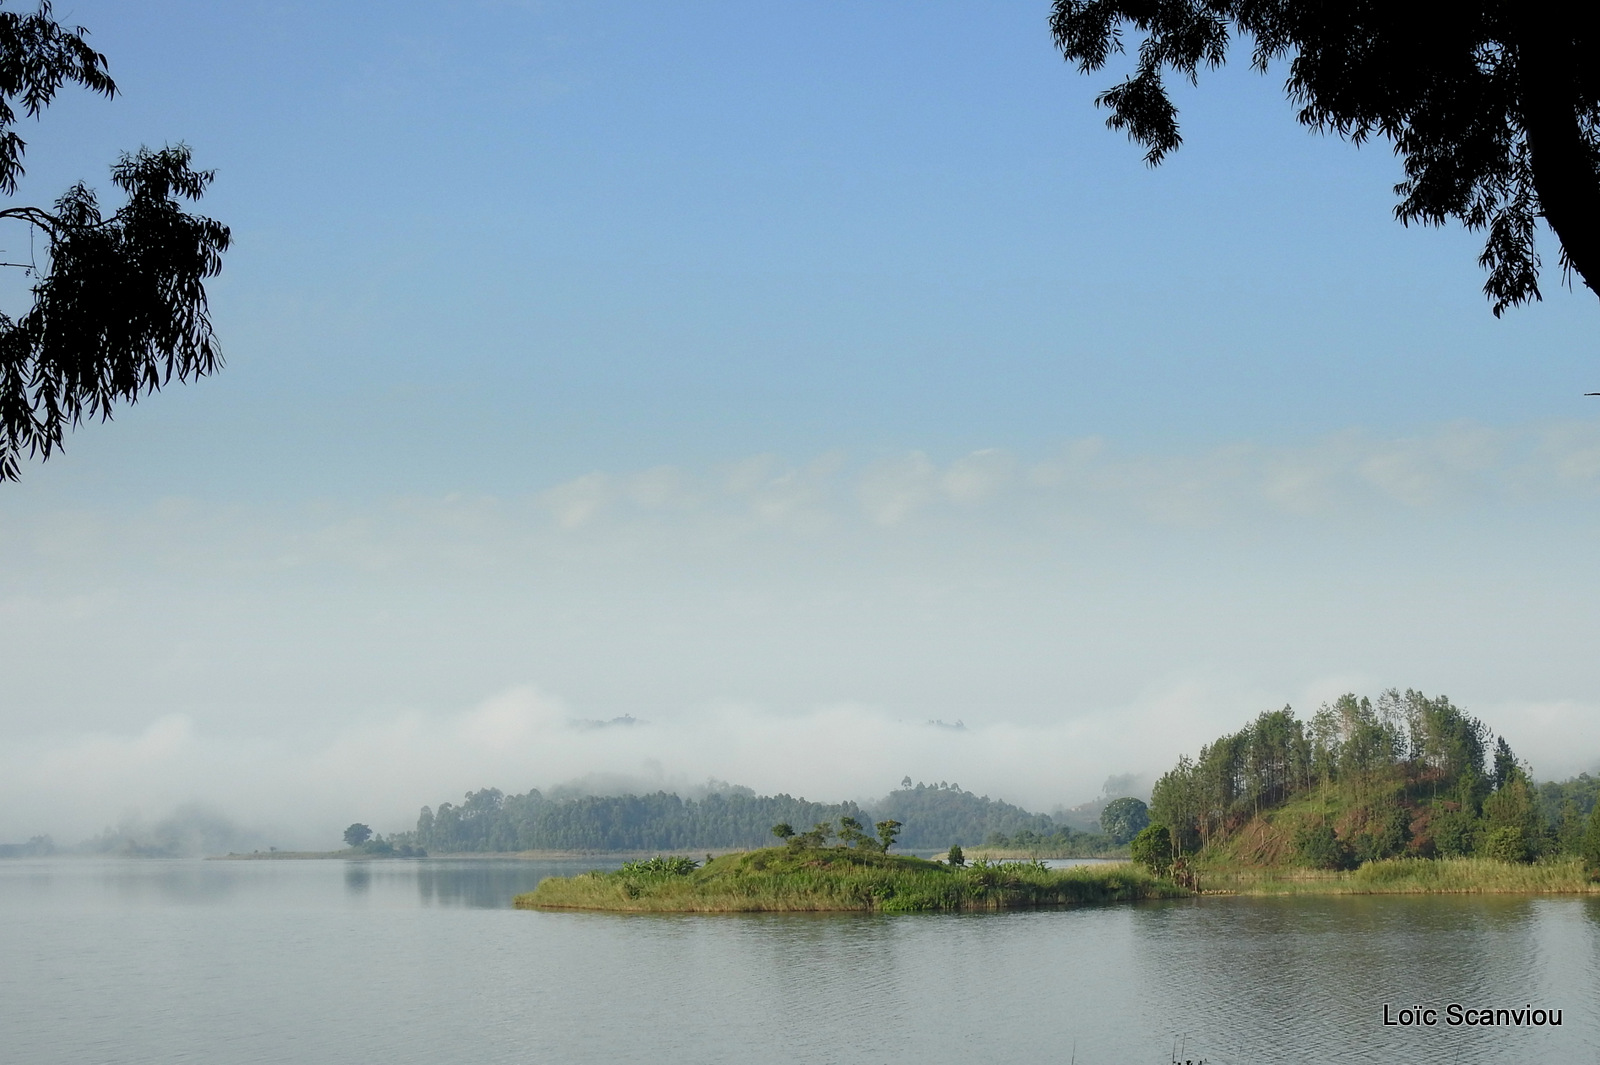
x,y
934,816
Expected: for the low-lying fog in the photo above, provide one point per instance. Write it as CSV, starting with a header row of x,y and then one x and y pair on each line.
x,y
818,629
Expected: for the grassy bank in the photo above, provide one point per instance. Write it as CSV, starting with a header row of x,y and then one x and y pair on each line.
x,y
1409,876
1007,854
781,879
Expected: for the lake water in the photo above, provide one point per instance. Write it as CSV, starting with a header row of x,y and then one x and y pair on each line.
x,y
405,963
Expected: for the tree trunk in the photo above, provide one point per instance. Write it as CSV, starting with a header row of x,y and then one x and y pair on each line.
x,y
1563,162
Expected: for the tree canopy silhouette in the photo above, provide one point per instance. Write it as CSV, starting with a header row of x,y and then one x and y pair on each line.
x,y
1493,106
119,304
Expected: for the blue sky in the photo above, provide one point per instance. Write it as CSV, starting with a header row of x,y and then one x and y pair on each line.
x,y
783,362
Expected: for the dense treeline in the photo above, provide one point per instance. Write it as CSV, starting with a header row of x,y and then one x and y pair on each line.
x,y
490,820
1367,779
938,815
934,815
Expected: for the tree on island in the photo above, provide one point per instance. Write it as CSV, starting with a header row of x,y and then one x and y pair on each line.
x,y
851,834
357,834
888,832
1493,108
955,857
119,303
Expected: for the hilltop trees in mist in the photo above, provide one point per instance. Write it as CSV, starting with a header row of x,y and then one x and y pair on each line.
x,y
915,816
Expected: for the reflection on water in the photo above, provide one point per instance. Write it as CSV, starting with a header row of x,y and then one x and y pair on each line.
x,y
488,883
242,963
357,878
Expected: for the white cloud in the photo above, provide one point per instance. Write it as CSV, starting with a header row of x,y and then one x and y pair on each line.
x,y
577,502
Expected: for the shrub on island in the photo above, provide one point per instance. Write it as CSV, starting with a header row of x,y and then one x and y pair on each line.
x,y
806,875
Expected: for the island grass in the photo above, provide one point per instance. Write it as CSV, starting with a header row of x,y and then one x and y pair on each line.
x,y
794,880
1410,876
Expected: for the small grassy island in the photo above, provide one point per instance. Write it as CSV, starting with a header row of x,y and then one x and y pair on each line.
x,y
862,878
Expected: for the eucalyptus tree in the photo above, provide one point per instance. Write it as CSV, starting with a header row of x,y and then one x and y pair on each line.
x,y
118,304
1492,106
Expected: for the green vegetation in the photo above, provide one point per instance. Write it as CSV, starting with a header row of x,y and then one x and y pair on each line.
x,y
1152,849
1063,842
1123,819
1402,794
1414,876
360,841
803,878
920,817
1490,107
118,302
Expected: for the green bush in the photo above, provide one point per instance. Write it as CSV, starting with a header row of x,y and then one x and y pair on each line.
x,y
1509,843
1456,834
1152,848
1319,848
660,865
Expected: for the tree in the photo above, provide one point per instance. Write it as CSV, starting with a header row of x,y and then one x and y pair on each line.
x,y
783,830
1122,819
888,832
1513,824
851,833
1494,108
1152,848
119,306
1505,763
817,837
955,857
357,834
1591,844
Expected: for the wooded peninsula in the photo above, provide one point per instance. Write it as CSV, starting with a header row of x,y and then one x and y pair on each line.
x,y
1400,793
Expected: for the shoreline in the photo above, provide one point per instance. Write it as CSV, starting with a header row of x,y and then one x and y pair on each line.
x,y
1406,876
793,879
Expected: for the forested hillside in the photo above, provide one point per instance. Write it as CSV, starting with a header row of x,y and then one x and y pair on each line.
x,y
934,816
1362,780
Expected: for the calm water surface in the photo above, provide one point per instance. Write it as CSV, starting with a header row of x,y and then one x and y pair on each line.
x,y
404,963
